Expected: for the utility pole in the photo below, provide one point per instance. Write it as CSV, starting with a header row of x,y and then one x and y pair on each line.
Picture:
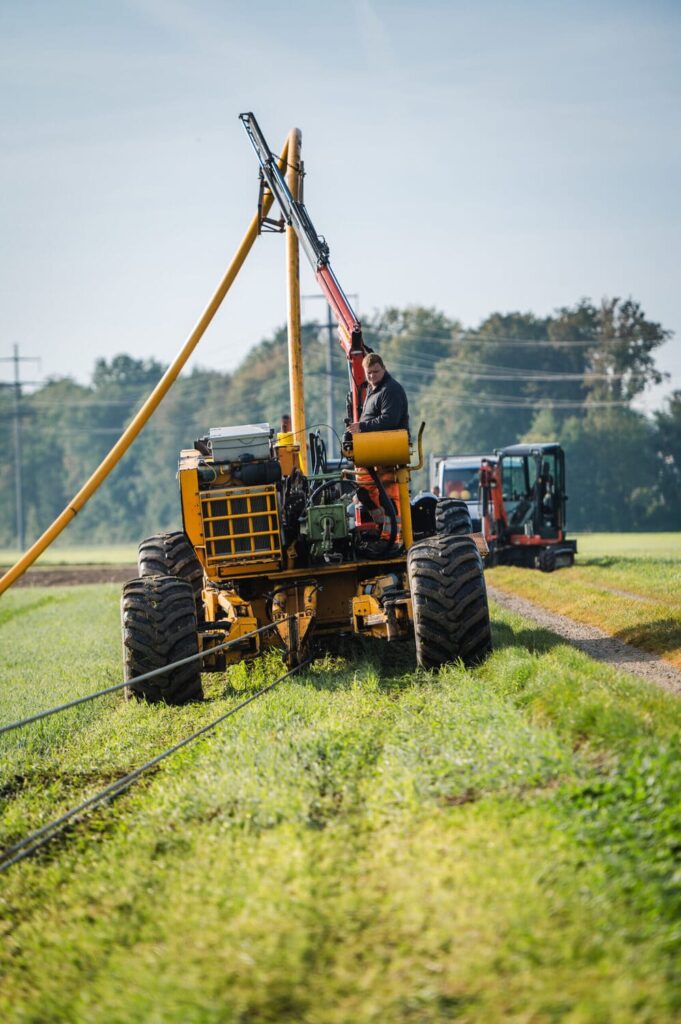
x,y
329,327
18,484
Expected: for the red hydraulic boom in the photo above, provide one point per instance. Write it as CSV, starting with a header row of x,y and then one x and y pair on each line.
x,y
317,252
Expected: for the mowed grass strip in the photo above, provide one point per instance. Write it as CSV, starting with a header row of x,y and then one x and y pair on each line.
x,y
366,843
636,598
661,546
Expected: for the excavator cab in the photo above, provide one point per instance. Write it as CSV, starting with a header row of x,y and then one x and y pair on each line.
x,y
523,500
533,488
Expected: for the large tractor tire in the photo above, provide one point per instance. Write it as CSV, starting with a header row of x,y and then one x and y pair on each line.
x,y
171,554
158,620
452,517
449,601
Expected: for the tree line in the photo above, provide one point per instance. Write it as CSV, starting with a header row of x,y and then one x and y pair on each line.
x,y
572,377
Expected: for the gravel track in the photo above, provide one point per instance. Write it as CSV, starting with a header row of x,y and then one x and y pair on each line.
x,y
594,641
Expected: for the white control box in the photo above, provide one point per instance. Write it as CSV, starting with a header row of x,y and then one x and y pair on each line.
x,y
231,444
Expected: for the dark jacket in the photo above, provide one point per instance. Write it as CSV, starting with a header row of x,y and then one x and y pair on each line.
x,y
386,407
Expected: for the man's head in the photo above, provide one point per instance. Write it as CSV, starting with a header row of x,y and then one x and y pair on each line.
x,y
285,423
374,368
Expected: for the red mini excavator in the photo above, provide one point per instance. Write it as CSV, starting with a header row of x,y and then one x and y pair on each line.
x,y
522,498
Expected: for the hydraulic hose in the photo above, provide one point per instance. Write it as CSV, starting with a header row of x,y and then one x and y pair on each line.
x,y
381,548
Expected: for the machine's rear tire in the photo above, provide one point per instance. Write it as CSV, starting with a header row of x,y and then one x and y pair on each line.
x,y
452,517
158,621
171,554
547,560
449,601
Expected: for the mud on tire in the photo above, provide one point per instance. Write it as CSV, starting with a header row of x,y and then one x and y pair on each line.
x,y
452,517
171,554
449,600
158,621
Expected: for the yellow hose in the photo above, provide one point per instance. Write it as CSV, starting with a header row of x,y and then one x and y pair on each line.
x,y
149,407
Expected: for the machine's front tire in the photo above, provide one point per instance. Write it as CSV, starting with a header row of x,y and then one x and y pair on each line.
x,y
158,621
452,517
449,601
171,554
547,560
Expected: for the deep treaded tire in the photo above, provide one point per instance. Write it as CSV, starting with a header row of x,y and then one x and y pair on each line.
x,y
452,517
547,560
158,621
171,554
449,599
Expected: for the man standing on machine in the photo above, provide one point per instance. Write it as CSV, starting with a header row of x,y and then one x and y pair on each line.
x,y
386,406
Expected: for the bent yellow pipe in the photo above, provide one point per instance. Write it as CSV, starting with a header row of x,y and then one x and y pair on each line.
x,y
151,404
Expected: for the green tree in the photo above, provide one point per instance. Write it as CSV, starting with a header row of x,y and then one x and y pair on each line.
x,y
623,361
569,377
668,451
611,470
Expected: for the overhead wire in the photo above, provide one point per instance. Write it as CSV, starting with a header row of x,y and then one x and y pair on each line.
x,y
470,338
520,372
529,401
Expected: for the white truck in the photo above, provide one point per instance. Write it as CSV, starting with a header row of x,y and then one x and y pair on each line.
x,y
458,476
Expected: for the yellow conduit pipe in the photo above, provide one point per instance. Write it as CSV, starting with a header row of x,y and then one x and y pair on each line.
x,y
149,407
295,346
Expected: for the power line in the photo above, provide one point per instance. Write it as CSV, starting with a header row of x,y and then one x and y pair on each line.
x,y
18,483
529,401
521,375
470,338
330,327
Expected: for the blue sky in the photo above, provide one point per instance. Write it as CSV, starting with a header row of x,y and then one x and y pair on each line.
x,y
469,156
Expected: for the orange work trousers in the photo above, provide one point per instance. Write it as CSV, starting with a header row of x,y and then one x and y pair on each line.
x,y
387,478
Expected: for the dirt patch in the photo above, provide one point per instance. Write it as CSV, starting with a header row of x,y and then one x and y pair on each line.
x,y
70,576
594,641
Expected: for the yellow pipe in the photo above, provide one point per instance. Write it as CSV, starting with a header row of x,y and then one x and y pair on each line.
x,y
381,448
405,507
419,464
151,404
295,347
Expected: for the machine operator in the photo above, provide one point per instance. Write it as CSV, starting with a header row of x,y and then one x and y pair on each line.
x,y
386,406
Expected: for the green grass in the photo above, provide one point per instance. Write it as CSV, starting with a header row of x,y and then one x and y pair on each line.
x,y
660,546
366,843
110,554
634,597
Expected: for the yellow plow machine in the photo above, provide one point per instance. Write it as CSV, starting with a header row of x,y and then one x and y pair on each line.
x,y
326,550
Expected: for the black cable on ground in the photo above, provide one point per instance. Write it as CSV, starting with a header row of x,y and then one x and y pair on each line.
x,y
35,840
138,679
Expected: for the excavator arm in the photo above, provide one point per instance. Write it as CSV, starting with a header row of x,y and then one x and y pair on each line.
x,y
317,252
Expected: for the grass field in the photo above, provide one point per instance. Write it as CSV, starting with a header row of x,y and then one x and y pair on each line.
x,y
111,554
365,844
665,547
660,546
627,584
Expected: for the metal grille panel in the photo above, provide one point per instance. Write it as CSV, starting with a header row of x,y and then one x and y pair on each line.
x,y
241,524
